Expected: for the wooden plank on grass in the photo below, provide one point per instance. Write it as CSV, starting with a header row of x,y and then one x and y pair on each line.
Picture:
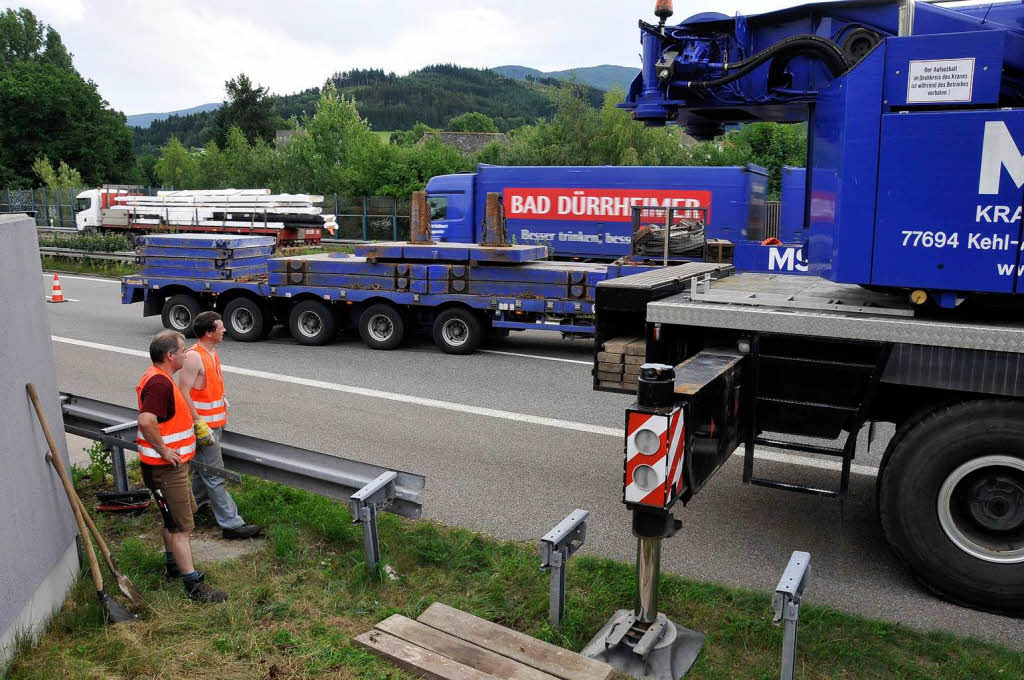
x,y
541,655
417,659
466,653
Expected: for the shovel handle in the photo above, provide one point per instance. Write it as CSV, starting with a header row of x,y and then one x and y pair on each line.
x,y
58,464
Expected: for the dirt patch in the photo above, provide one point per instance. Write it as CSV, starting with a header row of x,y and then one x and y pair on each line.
x,y
208,548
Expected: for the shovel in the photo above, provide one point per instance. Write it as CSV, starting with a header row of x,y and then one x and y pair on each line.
x,y
112,609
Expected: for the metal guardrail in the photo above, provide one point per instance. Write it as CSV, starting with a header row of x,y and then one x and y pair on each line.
x,y
320,473
124,256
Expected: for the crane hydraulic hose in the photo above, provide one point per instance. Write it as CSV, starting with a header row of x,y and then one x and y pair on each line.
x,y
813,46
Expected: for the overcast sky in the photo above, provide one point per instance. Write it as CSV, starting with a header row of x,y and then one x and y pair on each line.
x,y
179,53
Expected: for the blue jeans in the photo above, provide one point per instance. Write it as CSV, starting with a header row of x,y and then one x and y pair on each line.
x,y
211,488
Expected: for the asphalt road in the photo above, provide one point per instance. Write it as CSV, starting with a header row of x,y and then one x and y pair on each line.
x,y
510,444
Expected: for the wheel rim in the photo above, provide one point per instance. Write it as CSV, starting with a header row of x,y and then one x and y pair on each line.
x,y
242,320
381,327
180,317
310,324
981,508
455,332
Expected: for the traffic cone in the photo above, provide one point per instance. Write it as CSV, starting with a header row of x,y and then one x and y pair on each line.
x,y
56,294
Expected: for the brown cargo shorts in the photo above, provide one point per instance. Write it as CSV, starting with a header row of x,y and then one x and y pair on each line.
x,y
173,492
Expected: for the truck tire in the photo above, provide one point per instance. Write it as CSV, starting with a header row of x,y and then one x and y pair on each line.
x,y
311,322
457,331
381,327
951,502
179,313
244,320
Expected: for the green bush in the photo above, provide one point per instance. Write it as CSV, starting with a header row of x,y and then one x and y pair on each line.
x,y
92,241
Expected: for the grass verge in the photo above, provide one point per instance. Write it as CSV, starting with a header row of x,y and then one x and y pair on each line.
x,y
296,605
68,265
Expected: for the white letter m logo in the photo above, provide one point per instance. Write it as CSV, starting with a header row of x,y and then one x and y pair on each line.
x,y
999,151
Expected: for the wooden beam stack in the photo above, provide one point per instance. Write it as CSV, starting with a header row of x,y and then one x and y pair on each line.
x,y
619,361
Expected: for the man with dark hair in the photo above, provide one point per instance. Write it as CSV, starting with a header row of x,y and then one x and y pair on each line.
x,y
202,383
166,442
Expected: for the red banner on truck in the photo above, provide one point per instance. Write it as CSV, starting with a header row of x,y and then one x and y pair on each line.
x,y
610,205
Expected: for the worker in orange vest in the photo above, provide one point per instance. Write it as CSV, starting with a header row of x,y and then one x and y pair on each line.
x,y
167,442
202,382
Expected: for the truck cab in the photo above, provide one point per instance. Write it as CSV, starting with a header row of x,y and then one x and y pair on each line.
x,y
450,199
87,210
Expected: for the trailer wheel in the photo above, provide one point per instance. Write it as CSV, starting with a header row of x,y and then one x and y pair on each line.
x,y
312,323
951,502
245,320
179,313
457,331
381,327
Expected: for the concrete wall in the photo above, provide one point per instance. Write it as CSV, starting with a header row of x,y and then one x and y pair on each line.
x,y
38,556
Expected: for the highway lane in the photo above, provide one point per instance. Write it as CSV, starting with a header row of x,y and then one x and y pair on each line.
x,y
503,471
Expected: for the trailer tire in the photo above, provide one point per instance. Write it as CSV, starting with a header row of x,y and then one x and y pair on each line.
x,y
381,327
311,322
179,313
457,331
951,503
245,320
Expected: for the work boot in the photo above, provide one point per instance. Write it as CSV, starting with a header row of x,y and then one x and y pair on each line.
x,y
200,592
244,531
171,571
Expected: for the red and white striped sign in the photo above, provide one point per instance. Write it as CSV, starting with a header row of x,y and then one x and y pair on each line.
x,y
606,205
654,454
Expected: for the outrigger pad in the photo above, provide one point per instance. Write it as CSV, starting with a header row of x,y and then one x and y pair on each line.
x,y
669,657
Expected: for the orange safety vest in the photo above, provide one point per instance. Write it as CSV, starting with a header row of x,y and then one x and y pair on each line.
x,y
177,432
209,401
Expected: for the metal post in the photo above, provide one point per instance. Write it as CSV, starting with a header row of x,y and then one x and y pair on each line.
x,y
648,572
786,607
371,546
394,218
555,548
120,469
364,218
60,210
668,226
364,504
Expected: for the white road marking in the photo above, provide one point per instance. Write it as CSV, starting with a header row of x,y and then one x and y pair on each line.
x,y
67,299
465,408
536,356
81,278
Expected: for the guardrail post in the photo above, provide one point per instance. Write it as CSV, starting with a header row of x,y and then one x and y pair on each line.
x,y
555,548
786,607
364,504
117,454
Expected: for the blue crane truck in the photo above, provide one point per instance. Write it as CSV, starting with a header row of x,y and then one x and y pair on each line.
x,y
585,212
911,312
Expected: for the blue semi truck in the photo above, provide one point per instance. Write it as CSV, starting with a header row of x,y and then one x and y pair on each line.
x,y
585,212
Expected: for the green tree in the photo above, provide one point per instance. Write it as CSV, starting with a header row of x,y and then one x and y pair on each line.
x,y
177,167
64,177
248,108
472,122
24,38
48,109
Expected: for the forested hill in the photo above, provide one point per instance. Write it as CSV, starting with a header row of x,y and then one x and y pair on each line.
x,y
433,95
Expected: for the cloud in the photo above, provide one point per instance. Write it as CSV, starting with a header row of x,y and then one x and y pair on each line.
x,y
56,12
